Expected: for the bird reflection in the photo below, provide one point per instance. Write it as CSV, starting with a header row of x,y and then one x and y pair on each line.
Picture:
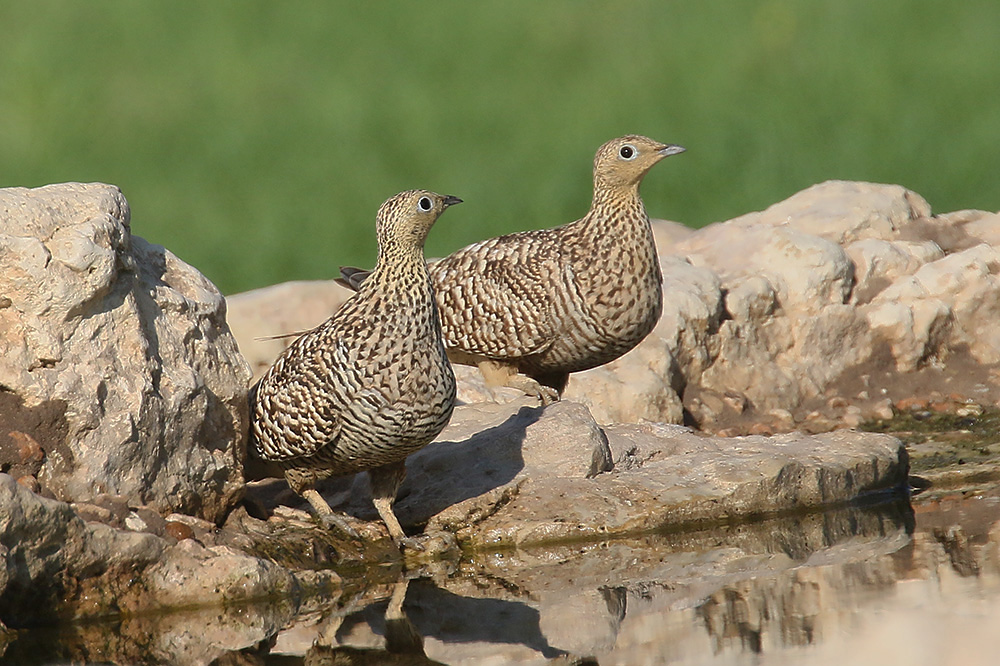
x,y
452,618
403,643
414,610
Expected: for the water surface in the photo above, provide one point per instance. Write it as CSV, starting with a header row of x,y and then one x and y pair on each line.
x,y
892,583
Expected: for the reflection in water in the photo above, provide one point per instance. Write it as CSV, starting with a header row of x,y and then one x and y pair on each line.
x,y
854,585
404,643
451,618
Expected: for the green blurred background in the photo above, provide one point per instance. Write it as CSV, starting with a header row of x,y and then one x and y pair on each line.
x,y
256,139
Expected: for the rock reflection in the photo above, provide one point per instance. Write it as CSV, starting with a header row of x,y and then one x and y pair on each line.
x,y
188,637
748,587
797,586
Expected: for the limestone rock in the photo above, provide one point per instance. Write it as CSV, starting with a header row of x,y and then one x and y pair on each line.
x,y
979,226
805,271
53,565
487,452
194,573
845,211
966,287
878,263
816,291
131,342
47,551
666,232
519,475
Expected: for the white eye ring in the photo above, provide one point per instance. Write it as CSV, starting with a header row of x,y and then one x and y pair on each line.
x,y
425,204
628,152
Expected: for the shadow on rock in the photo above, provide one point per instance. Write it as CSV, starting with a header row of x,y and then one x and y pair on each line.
x,y
484,462
444,473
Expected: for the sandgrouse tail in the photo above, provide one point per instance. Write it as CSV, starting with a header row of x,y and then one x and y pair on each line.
x,y
369,386
531,307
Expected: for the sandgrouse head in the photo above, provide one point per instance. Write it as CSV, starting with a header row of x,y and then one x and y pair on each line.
x,y
405,219
622,162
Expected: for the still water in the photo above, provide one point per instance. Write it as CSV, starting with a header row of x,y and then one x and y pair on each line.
x,y
889,584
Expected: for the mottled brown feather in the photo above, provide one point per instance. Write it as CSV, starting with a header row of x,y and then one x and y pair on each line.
x,y
372,384
561,300
551,302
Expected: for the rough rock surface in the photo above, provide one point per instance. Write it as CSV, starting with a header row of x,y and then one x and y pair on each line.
x,y
115,358
844,584
56,564
500,475
833,303
515,475
826,303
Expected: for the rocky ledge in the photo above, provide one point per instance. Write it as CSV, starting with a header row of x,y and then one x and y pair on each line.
x,y
500,476
124,396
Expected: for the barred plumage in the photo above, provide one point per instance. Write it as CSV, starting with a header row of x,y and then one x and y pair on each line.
x,y
550,302
372,384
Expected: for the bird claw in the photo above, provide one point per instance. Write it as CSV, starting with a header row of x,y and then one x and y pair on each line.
x,y
547,395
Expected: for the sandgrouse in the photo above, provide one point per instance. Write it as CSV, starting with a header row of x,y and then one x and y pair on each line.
x,y
529,308
369,386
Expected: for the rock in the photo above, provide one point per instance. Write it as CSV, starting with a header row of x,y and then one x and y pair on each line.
x,y
22,428
126,350
50,555
660,598
485,455
513,475
194,573
178,530
915,332
56,565
883,409
779,587
944,305
501,474
666,232
144,519
806,272
878,263
816,292
841,212
963,290
844,211
954,232
979,225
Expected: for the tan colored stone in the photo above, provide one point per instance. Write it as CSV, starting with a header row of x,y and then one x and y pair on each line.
x,y
518,475
132,341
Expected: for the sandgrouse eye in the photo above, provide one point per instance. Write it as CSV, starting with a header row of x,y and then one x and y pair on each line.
x,y
627,152
424,203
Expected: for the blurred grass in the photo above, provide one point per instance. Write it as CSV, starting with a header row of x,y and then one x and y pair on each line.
x,y
256,139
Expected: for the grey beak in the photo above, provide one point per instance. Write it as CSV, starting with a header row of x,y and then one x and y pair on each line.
x,y
670,149
451,201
